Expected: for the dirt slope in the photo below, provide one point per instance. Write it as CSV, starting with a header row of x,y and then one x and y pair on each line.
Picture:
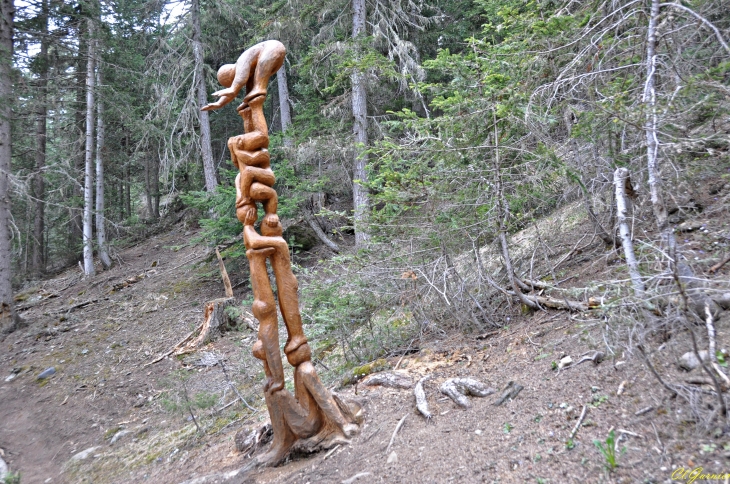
x,y
99,333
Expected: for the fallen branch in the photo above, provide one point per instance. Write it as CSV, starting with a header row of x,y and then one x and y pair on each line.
x,y
580,421
554,303
79,305
719,265
127,282
395,432
643,411
182,342
233,387
596,357
215,320
703,381
356,477
654,372
709,322
510,392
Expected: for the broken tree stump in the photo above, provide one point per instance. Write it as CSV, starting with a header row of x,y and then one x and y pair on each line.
x,y
215,321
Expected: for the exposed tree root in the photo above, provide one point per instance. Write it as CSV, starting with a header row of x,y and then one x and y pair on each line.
x,y
458,388
421,401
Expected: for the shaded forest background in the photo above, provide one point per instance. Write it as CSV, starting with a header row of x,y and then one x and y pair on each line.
x,y
408,135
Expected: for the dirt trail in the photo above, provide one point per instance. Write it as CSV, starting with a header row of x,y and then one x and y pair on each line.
x,y
98,334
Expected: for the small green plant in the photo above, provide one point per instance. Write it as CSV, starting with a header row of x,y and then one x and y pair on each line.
x,y
721,358
570,444
608,450
537,458
554,365
538,418
708,448
205,400
12,478
507,428
596,401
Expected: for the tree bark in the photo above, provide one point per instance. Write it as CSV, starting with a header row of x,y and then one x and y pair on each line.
x,y
284,108
360,197
620,177
650,128
209,172
127,183
148,185
7,309
38,262
100,217
89,158
75,192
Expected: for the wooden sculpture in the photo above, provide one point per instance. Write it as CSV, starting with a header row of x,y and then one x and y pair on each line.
x,y
312,418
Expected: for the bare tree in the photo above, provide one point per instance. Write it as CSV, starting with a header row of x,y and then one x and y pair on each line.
x,y
89,157
7,310
650,129
211,180
621,179
100,218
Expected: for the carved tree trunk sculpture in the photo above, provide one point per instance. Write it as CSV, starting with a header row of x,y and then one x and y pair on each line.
x,y
311,418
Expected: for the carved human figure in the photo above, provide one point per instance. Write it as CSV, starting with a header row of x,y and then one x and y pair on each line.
x,y
312,417
252,70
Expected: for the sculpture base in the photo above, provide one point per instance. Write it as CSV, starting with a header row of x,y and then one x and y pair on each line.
x,y
305,427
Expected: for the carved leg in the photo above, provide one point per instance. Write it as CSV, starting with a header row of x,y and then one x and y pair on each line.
x,y
264,309
287,286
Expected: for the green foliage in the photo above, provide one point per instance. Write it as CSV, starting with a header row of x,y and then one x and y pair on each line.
x,y
12,478
204,400
608,451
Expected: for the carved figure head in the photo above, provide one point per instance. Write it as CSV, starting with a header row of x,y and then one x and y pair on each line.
x,y
226,73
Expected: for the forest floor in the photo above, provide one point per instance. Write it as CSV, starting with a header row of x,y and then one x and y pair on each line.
x,y
106,416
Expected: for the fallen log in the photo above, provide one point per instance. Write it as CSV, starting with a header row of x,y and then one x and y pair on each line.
x,y
555,303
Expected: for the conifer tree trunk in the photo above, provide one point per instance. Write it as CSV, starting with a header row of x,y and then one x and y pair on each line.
x,y
284,104
148,185
100,218
7,310
360,130
75,215
211,180
89,158
38,262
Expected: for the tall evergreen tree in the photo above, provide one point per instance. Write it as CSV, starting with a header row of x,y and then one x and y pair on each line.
x,y
7,309
38,259
89,154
